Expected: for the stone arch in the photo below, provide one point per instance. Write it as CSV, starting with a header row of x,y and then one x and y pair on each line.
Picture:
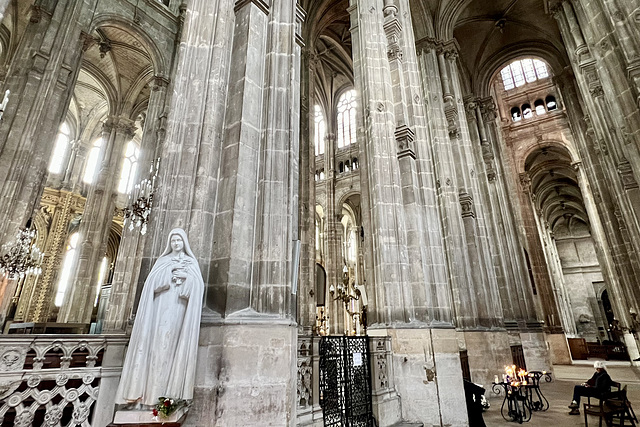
x,y
160,64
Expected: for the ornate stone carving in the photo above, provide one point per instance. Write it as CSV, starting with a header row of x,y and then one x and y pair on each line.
x,y
12,359
451,112
525,182
405,137
305,372
626,175
466,203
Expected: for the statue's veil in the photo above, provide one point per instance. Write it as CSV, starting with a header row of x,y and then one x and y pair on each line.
x,y
187,248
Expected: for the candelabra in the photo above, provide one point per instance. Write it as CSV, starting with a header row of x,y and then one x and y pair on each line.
x,y
21,257
141,200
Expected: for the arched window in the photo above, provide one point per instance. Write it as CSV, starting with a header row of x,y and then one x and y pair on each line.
x,y
523,71
320,130
341,167
67,267
354,163
539,106
92,162
102,275
60,149
515,114
129,167
551,103
347,165
347,118
352,254
526,111
321,175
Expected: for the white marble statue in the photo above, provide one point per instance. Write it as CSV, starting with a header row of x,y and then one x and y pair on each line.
x,y
161,358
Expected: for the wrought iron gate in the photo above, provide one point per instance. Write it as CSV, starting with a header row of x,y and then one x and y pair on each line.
x,y
345,382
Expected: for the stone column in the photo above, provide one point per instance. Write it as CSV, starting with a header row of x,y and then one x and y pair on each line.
x,y
394,184
383,174
333,227
612,123
307,294
41,80
574,28
130,253
97,218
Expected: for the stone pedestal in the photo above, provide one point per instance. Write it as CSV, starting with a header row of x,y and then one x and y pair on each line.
x,y
428,376
535,351
559,353
489,353
146,418
246,374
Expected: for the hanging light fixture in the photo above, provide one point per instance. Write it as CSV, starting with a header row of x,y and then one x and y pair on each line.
x,y
21,257
140,201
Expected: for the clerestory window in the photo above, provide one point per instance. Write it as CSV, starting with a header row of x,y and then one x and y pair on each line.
x,y
523,71
92,162
347,119
129,167
320,130
60,149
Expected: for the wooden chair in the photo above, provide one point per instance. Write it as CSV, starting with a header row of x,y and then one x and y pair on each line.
x,y
612,407
618,410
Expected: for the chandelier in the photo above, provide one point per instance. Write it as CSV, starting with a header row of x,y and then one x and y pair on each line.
x,y
21,257
141,200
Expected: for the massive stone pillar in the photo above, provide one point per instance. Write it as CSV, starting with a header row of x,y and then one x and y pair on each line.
x,y
95,226
41,81
407,272
229,176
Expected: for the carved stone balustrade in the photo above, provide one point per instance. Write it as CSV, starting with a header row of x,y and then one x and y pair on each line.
x,y
54,380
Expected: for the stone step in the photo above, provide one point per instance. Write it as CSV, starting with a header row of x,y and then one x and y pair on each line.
x,y
406,424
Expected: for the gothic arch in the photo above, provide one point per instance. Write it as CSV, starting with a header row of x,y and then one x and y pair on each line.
x,y
111,20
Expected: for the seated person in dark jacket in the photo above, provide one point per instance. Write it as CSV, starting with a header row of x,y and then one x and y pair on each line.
x,y
598,384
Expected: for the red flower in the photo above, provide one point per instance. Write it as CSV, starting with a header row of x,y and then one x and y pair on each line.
x,y
167,403
155,412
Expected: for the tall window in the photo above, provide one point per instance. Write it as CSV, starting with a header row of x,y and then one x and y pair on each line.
x,y
102,275
92,162
60,149
67,267
320,130
523,71
347,119
129,167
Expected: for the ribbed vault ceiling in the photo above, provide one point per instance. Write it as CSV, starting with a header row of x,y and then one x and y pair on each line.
x,y
554,185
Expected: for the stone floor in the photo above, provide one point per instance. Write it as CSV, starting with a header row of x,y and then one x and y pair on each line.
x,y
559,393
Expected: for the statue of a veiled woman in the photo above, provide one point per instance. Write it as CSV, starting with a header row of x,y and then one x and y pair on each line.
x,y
161,358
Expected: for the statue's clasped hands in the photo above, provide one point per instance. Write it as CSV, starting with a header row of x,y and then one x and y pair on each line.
x,y
178,275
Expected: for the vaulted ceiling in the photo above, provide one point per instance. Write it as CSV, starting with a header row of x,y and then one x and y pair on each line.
x,y
554,184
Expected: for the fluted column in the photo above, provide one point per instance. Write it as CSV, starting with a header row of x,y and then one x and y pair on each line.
x,y
95,226
388,224
308,290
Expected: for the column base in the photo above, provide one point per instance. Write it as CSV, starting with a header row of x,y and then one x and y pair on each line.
x,y
488,352
559,353
536,353
246,374
428,376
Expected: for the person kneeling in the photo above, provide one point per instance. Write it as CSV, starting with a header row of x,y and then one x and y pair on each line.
x,y
598,384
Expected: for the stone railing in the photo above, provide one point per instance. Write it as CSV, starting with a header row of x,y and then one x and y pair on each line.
x,y
54,380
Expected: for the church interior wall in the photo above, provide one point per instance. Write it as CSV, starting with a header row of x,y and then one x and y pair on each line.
x,y
448,212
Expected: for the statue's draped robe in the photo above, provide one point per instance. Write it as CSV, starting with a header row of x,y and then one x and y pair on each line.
x,y
161,358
